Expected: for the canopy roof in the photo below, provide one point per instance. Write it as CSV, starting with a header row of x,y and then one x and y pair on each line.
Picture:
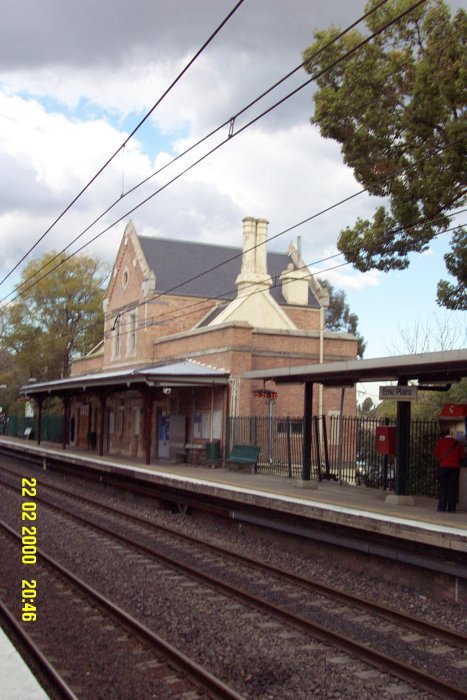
x,y
430,367
183,373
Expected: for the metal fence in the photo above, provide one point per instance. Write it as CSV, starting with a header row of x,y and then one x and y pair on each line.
x,y
343,448
52,427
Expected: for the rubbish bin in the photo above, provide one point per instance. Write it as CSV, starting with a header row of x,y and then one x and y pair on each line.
x,y
213,451
92,440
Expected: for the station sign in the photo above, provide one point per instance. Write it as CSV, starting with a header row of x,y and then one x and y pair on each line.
x,y
398,393
264,394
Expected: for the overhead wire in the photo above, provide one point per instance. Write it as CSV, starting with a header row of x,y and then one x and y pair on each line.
x,y
303,221
128,138
345,56
326,210
225,296
230,122
273,286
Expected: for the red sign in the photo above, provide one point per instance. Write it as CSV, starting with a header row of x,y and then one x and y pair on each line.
x,y
453,410
264,394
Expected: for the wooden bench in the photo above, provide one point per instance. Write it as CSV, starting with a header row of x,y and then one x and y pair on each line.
x,y
244,454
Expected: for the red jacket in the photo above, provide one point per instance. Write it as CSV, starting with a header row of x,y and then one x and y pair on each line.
x,y
449,452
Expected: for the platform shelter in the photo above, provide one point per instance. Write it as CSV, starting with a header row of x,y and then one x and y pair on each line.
x,y
433,371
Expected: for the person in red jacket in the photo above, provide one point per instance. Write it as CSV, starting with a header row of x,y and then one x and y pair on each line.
x,y
449,453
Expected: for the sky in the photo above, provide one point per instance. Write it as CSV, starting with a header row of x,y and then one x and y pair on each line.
x,y
75,80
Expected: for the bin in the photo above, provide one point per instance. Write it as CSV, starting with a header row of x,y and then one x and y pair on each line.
x,y
213,451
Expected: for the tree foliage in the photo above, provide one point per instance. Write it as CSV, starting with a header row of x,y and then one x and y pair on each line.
x,y
56,316
397,107
449,295
338,316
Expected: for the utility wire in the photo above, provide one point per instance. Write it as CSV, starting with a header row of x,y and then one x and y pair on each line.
x,y
165,318
122,146
149,322
277,235
230,122
274,106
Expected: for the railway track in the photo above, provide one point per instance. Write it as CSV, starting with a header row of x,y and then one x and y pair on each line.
x,y
332,616
159,666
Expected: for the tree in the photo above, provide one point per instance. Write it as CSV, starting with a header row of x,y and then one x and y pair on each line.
x,y
367,408
56,315
435,334
397,107
455,297
432,335
338,316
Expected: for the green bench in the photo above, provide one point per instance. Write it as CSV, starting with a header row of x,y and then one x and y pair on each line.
x,y
244,454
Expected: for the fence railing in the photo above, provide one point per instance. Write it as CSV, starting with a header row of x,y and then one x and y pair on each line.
x,y
343,448
52,427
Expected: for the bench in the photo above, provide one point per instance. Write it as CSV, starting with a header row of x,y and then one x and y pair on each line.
x,y
244,454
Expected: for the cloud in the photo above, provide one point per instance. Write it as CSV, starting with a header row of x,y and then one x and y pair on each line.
x,y
349,279
75,79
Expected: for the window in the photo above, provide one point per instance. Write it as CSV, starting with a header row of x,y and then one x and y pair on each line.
x,y
296,426
131,333
116,338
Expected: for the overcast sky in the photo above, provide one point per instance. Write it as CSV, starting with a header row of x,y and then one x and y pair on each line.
x,y
76,78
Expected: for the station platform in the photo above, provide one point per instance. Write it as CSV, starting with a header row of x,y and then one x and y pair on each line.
x,y
18,682
329,502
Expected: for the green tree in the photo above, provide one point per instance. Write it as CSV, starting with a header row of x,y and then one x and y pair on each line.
x,y
367,408
338,316
449,295
429,403
397,107
56,315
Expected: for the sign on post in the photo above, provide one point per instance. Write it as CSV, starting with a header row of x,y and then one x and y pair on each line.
x,y
399,393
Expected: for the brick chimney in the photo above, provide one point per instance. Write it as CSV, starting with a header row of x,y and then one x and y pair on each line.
x,y
253,274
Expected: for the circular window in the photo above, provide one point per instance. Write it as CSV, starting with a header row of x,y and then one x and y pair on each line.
x,y
125,278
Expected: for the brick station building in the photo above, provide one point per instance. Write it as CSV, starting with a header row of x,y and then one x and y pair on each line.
x,y
183,322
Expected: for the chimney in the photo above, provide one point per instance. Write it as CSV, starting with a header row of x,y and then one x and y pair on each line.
x,y
294,286
253,274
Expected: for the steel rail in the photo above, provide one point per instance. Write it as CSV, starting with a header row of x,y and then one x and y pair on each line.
x,y
384,611
45,667
375,658
208,682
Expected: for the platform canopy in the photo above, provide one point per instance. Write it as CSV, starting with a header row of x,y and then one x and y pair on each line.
x,y
426,368
182,373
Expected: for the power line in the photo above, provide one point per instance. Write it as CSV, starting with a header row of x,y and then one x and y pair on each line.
x,y
281,233
243,128
122,146
230,122
313,77
224,298
148,322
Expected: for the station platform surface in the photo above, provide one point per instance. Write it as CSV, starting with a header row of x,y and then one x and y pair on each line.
x,y
330,502
18,682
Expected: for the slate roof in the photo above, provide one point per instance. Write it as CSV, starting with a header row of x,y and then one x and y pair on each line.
x,y
179,265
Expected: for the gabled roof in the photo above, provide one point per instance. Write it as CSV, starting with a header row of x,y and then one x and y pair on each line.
x,y
179,267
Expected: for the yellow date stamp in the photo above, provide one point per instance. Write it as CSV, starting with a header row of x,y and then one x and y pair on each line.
x,y
28,547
